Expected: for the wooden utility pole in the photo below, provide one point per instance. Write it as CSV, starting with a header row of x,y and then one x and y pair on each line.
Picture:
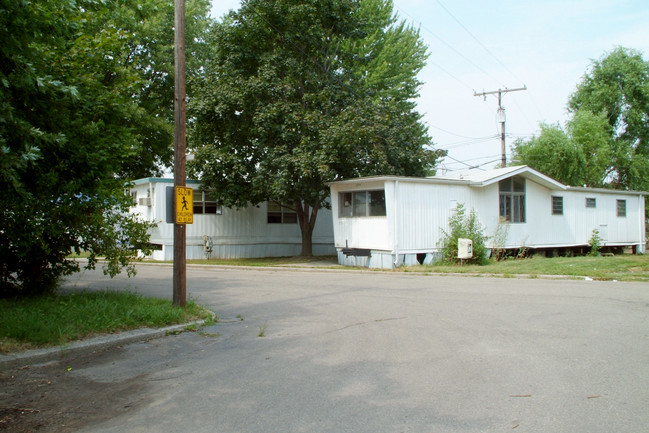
x,y
180,234
501,117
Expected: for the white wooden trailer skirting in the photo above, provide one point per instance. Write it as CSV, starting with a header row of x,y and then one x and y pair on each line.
x,y
542,213
234,233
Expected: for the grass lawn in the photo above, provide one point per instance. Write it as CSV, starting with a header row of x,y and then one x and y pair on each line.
x,y
57,319
625,267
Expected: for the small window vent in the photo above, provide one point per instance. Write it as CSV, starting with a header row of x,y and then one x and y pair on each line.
x,y
144,201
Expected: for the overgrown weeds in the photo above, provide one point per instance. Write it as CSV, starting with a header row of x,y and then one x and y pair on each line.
x,y
464,226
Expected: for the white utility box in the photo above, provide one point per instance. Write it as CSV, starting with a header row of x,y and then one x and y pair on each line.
x,y
464,248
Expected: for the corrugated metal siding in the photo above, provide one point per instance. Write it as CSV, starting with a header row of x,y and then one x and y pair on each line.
x,y
236,233
365,232
371,233
418,212
541,227
575,226
423,212
620,229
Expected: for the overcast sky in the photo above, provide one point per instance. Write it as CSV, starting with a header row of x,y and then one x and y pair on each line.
x,y
546,45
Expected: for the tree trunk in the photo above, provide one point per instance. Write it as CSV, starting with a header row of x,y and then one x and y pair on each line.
x,y
307,220
307,242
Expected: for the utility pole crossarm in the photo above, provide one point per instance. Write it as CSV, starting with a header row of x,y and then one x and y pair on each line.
x,y
501,112
499,91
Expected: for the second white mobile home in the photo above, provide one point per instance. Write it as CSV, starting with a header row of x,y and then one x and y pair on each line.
x,y
386,221
265,230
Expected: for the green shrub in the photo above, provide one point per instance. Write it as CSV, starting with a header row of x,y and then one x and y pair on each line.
x,y
499,240
595,243
467,227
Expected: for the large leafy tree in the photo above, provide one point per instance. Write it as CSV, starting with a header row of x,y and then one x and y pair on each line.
x,y
606,141
302,92
578,155
589,135
552,153
86,101
617,87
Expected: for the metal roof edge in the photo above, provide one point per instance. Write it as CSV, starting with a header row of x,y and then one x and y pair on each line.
x,y
607,190
432,179
522,170
159,180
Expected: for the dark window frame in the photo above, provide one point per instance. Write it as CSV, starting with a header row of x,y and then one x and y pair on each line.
x,y
621,208
206,205
591,202
362,204
512,200
279,213
557,205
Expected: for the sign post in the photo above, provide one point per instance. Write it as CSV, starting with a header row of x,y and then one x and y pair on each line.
x,y
180,235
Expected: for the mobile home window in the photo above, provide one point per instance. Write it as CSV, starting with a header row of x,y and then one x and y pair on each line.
x,y
376,203
557,205
591,202
621,208
512,199
280,214
345,204
133,195
362,203
205,203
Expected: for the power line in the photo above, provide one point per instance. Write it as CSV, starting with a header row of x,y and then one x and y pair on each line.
x,y
458,161
457,144
477,40
471,166
481,44
477,158
457,135
449,74
452,48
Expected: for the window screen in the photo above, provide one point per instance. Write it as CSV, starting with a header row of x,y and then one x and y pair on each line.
x,y
278,213
512,199
557,205
362,203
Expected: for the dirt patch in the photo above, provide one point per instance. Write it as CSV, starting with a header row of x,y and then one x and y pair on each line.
x,y
52,398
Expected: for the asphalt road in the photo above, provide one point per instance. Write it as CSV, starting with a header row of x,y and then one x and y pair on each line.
x,y
329,351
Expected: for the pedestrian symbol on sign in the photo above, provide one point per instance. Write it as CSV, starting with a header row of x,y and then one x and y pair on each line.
x,y
184,205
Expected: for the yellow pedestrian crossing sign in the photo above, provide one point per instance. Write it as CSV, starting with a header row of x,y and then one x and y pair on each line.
x,y
184,205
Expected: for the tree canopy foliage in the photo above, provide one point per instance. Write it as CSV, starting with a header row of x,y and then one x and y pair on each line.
x,y
86,101
299,93
617,86
606,142
552,153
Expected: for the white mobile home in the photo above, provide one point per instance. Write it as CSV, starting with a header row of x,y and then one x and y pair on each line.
x,y
265,230
387,221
